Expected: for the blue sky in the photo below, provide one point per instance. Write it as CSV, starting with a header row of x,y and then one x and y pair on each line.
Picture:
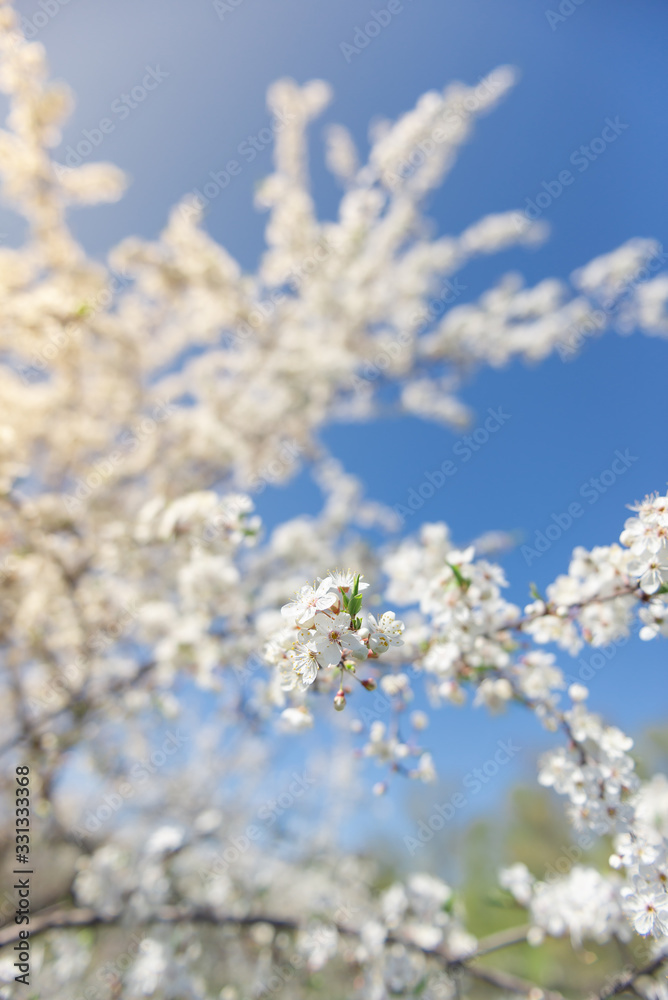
x,y
567,421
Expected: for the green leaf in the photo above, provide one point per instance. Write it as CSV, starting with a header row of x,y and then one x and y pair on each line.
x,y
501,899
461,580
354,605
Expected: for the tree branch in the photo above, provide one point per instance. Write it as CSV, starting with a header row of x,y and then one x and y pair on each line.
x,y
58,917
502,939
628,982
85,701
513,984
83,916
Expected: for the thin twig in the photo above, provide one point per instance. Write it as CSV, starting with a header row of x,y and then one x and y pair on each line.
x,y
513,984
628,982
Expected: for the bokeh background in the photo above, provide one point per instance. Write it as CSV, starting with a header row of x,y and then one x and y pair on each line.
x,y
604,59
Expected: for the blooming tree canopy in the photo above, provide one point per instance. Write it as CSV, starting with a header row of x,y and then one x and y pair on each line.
x,y
156,643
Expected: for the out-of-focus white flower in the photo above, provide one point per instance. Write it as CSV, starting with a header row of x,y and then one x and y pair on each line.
x,y
518,880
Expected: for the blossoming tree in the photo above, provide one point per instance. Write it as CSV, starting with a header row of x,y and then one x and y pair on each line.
x,y
144,401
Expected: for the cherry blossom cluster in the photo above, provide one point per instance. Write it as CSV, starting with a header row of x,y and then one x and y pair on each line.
x,y
647,537
467,635
597,775
390,746
583,904
330,635
460,597
595,772
596,600
594,603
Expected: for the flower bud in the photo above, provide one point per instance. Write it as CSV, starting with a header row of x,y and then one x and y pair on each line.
x,y
369,684
339,700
